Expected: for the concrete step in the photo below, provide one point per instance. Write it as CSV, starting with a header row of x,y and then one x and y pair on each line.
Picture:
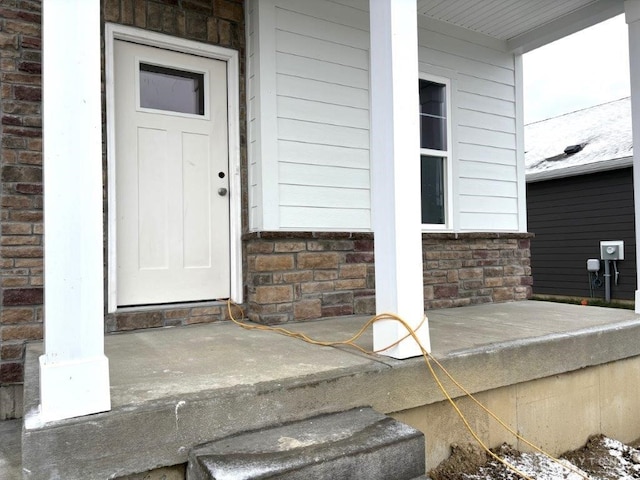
x,y
357,444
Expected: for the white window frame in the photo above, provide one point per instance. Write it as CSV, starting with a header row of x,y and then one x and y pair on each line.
x,y
446,154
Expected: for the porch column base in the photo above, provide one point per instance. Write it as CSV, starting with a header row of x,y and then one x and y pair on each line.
x,y
387,332
637,301
73,388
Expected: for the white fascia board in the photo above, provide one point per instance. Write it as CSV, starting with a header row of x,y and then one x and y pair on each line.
x,y
576,170
566,25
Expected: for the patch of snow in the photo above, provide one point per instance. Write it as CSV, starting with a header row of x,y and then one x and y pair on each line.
x,y
604,130
533,465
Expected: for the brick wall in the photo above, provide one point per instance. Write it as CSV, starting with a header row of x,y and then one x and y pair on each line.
x,y
20,186
305,275
302,276
218,22
471,268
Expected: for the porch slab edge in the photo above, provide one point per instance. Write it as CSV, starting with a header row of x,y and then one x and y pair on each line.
x,y
137,438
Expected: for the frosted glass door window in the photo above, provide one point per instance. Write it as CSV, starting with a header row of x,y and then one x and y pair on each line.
x,y
163,88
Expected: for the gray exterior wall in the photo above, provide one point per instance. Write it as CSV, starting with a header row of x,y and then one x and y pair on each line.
x,y
569,217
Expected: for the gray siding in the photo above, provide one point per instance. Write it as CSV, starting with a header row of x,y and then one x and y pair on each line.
x,y
569,217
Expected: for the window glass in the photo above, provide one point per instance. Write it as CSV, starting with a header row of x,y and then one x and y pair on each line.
x,y
433,115
432,175
164,88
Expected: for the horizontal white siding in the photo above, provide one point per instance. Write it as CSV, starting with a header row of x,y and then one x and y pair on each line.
x,y
328,155
486,170
323,113
485,193
323,197
339,177
322,73
331,73
321,176
479,188
488,222
476,101
322,91
322,134
306,218
482,153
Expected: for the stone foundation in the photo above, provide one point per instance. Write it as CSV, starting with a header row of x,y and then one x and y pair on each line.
x,y
574,406
164,316
471,268
306,275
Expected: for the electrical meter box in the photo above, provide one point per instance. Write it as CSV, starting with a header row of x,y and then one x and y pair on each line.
x,y
612,250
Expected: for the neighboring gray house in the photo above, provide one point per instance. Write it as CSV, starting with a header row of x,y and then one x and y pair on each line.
x,y
575,200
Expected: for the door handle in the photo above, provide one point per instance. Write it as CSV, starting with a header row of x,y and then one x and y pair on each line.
x,y
222,192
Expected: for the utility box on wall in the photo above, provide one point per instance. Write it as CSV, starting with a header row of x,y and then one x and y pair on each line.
x,y
612,250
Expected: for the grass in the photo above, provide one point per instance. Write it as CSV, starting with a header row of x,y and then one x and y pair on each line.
x,y
593,302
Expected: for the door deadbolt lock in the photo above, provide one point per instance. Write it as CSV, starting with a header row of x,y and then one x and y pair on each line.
x,y
222,192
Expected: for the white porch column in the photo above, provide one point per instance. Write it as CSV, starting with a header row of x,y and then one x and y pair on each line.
x,y
74,372
395,163
632,14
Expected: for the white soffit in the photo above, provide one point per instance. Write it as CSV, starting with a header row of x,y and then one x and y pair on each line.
x,y
509,20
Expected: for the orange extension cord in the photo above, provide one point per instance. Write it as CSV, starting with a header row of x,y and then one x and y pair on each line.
x,y
428,358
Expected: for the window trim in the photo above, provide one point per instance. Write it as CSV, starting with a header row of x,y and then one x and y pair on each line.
x,y
447,155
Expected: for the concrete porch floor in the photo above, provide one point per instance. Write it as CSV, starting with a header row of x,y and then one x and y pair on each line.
x,y
178,387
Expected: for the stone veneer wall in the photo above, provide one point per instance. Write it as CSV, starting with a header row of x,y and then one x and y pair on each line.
x,y
302,276
219,22
21,247
306,275
471,268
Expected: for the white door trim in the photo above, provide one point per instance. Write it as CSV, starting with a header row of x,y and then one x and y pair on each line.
x,y
120,32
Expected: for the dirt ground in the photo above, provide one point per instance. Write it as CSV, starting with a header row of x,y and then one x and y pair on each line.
x,y
601,458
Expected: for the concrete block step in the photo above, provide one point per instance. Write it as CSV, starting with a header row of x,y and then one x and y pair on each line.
x,y
351,445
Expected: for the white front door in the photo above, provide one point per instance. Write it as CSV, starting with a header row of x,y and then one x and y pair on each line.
x,y
172,169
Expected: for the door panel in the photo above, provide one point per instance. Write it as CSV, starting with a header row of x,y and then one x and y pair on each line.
x,y
196,174
171,159
153,208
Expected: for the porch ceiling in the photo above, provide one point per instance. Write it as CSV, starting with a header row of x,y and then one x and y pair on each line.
x,y
523,24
